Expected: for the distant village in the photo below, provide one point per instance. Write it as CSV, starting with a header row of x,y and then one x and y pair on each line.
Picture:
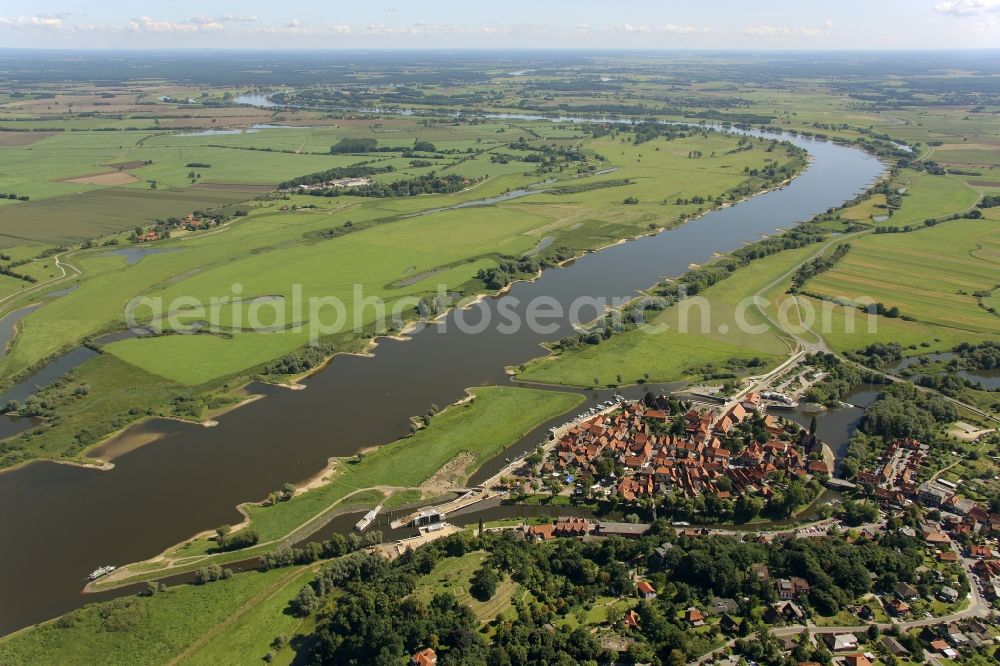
x,y
196,221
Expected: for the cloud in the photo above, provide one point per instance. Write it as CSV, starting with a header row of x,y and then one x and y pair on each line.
x,y
42,21
665,29
295,27
145,24
967,7
421,28
786,31
195,24
225,18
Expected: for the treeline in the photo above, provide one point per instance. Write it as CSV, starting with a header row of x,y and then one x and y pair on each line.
x,y
904,411
336,546
984,356
878,354
930,222
692,282
300,361
10,272
840,380
989,201
429,183
349,145
698,279
507,271
17,197
226,540
360,170
819,265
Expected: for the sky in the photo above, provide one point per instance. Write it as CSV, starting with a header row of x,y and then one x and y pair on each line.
x,y
587,24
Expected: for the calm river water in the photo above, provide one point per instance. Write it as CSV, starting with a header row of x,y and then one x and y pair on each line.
x,y
58,522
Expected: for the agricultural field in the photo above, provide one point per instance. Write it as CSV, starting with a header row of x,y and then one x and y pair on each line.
x,y
931,275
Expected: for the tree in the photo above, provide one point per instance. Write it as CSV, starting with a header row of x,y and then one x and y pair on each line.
x,y
812,425
484,583
305,602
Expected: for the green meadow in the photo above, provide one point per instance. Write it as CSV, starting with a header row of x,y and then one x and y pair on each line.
x,y
270,251
156,629
704,330
929,196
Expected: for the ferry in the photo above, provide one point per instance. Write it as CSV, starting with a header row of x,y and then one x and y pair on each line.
x,y
101,571
368,519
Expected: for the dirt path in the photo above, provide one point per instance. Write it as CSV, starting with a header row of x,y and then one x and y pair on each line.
x,y
62,266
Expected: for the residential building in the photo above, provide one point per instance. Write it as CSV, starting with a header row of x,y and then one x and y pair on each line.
x,y
426,657
841,642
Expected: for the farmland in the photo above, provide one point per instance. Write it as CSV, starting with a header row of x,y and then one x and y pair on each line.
x,y
931,275
927,196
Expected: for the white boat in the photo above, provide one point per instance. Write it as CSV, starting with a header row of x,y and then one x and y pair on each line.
x,y
101,571
367,519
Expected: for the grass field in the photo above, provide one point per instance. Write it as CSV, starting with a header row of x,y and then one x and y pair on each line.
x,y
866,210
674,354
248,637
90,214
153,630
268,252
454,575
930,196
929,274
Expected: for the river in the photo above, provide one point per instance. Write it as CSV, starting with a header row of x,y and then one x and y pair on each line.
x,y
191,478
